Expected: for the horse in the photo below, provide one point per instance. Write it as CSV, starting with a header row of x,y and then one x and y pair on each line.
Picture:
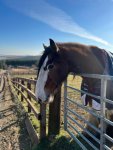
x,y
60,59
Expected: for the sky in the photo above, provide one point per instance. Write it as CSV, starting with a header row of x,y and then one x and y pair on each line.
x,y
26,25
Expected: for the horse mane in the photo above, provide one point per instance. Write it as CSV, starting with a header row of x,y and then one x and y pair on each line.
x,y
68,45
72,45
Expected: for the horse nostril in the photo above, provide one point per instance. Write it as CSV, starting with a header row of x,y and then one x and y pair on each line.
x,y
39,101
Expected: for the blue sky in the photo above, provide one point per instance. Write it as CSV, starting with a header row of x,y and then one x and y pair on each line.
x,y
26,25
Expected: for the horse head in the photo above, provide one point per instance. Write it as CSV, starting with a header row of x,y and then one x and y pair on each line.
x,y
52,71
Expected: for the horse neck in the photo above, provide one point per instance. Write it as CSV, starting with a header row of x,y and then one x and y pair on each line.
x,y
83,60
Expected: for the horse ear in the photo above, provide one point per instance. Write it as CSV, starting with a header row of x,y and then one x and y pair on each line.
x,y
44,46
53,45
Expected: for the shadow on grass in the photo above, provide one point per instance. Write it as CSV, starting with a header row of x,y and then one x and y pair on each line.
x,y
59,143
63,143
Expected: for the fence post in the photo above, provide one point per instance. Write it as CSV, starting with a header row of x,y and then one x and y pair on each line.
x,y
43,121
103,126
22,98
28,96
18,85
35,84
65,105
16,81
0,80
13,81
54,114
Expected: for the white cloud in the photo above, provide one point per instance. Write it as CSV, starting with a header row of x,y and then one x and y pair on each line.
x,y
55,17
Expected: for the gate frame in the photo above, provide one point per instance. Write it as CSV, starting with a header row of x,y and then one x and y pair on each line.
x,y
103,100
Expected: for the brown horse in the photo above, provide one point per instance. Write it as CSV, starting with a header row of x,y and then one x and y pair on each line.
x,y
59,59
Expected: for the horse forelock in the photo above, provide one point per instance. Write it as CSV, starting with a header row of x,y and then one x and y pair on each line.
x,y
46,52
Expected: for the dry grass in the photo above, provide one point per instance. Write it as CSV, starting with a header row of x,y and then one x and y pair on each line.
x,y
76,97
23,71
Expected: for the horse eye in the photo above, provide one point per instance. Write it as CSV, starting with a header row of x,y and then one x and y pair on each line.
x,y
50,66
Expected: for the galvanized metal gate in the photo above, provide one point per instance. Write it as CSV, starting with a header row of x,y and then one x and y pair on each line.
x,y
72,119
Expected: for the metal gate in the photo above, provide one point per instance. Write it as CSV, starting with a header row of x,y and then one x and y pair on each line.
x,y
72,119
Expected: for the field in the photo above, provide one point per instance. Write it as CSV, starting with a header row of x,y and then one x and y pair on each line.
x,y
23,71
62,141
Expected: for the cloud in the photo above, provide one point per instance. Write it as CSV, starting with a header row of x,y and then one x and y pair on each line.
x,y
55,17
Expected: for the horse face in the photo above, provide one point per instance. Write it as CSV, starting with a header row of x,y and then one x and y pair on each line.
x,y
52,73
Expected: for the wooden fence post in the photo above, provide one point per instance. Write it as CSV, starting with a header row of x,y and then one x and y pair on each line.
x,y
54,115
0,80
43,121
18,85
13,80
35,84
28,96
22,98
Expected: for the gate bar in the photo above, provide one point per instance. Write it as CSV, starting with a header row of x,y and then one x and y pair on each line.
x,y
103,96
65,105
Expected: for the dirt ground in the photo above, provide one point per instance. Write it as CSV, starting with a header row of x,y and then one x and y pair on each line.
x,y
13,133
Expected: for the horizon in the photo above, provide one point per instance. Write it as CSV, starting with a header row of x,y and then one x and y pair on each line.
x,y
18,55
26,25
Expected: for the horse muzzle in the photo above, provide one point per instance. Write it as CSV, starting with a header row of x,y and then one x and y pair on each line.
x,y
48,100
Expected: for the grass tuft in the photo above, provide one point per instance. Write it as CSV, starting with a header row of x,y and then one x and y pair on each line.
x,y
60,142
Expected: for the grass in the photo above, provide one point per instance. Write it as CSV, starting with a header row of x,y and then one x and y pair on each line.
x,y
60,142
33,119
25,76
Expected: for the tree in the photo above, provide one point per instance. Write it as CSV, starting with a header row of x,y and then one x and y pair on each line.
x,y
3,64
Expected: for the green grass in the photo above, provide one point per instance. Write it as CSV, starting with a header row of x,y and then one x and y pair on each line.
x,y
33,119
60,142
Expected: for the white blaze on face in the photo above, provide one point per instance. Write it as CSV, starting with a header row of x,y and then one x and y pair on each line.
x,y
42,78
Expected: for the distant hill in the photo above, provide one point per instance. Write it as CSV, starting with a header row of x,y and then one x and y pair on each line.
x,y
12,57
15,61
29,58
